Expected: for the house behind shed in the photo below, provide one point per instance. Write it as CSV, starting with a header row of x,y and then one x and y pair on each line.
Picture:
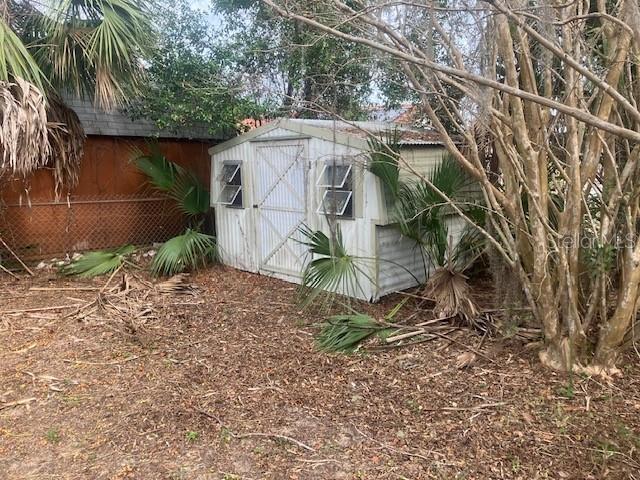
x,y
271,181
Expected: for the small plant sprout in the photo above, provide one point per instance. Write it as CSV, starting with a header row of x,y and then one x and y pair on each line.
x,y
52,435
192,436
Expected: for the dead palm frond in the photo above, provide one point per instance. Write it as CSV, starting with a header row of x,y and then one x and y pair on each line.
x,y
451,293
101,262
66,137
176,284
24,142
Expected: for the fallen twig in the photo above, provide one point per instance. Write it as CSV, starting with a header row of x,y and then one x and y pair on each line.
x,y
113,362
396,450
275,436
64,289
9,272
16,257
17,403
38,309
482,406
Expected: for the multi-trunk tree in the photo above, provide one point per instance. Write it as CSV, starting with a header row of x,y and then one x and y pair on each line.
x,y
542,97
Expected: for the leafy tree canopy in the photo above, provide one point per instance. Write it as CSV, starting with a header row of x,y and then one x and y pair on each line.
x,y
290,68
190,82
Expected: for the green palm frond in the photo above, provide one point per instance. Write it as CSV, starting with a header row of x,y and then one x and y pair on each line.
x,y
333,272
192,197
101,262
345,333
184,252
183,186
162,173
385,155
94,47
16,61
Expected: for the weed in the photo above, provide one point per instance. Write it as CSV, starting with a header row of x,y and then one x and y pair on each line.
x,y
225,435
192,436
567,391
52,435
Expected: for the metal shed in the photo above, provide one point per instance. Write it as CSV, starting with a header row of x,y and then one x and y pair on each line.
x,y
267,183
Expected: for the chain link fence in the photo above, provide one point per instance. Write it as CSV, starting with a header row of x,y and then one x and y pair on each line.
x,y
47,229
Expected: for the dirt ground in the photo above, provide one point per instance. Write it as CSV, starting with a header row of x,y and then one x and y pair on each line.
x,y
227,384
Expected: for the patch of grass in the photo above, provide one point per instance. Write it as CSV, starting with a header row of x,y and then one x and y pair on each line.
x,y
52,435
231,476
567,391
192,436
225,435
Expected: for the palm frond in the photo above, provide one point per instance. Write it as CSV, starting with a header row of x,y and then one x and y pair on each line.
x,y
66,136
101,262
94,47
184,252
451,293
384,156
333,272
162,173
345,333
24,142
189,193
16,61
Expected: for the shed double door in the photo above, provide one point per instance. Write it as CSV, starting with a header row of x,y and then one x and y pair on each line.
x,y
280,208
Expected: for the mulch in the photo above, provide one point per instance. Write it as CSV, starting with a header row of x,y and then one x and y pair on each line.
x,y
226,383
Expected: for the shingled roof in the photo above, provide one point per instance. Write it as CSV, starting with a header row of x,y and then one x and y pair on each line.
x,y
117,124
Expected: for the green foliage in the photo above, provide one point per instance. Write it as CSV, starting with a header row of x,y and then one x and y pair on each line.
x,y
52,435
420,211
16,60
161,172
192,436
101,262
189,84
189,193
184,252
384,154
344,333
316,73
91,47
332,269
181,185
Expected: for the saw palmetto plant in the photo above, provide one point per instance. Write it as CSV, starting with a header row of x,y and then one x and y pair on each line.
x,y
332,270
188,251
101,262
87,48
193,248
422,212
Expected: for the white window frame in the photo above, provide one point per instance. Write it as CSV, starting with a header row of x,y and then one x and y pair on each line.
x,y
324,171
225,184
321,208
237,164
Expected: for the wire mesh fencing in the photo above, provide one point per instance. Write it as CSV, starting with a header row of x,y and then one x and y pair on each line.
x,y
47,229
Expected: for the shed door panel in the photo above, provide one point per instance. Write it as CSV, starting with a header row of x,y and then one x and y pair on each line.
x,y
280,194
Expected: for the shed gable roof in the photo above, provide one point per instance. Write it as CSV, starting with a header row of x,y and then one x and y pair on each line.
x,y
353,134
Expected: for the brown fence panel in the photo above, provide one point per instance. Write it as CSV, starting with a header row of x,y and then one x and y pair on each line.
x,y
112,205
47,229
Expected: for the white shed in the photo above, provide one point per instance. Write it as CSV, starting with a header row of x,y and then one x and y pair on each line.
x,y
269,182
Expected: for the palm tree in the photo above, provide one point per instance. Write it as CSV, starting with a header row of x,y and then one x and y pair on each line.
x,y
87,48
